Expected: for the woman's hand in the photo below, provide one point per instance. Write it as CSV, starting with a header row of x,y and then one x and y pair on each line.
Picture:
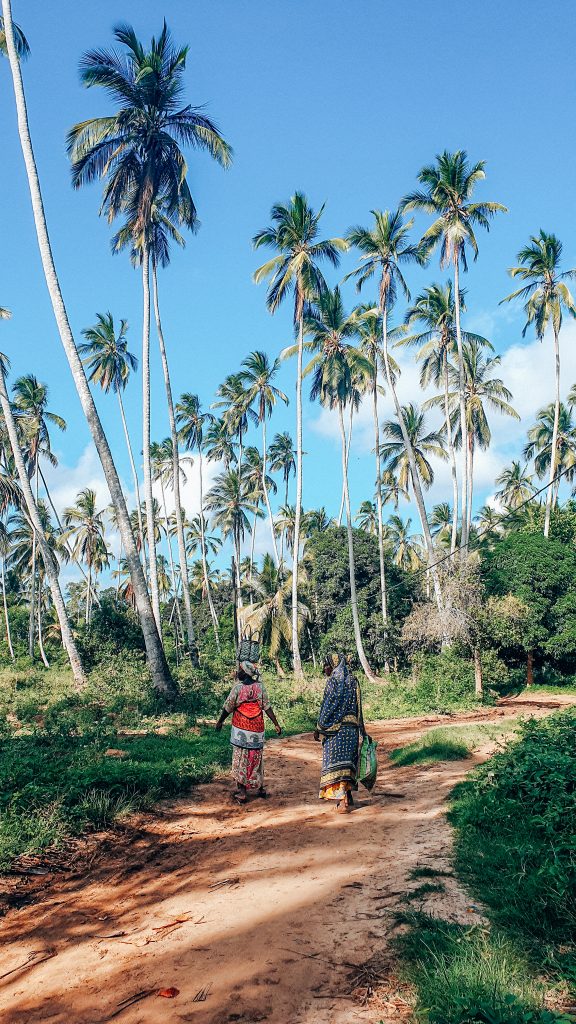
x,y
316,735
278,730
218,726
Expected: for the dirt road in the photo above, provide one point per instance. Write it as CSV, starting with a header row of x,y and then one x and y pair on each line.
x,y
249,912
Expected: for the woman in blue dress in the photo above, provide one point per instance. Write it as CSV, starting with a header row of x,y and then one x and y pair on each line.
x,y
340,727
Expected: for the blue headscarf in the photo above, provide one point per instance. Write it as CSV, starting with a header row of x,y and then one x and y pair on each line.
x,y
340,702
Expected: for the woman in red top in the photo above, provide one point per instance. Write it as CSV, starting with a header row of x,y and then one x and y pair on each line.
x,y
247,702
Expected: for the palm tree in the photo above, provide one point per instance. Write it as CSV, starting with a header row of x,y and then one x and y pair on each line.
x,y
30,405
86,529
271,615
481,390
406,547
258,376
283,460
318,521
489,525
515,485
252,478
23,559
370,331
293,234
336,367
192,422
160,672
546,293
162,464
441,523
219,445
20,41
547,436
448,189
197,535
433,310
367,518
230,503
237,414
138,151
109,364
385,250
423,445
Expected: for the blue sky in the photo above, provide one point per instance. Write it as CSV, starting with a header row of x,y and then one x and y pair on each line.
x,y
344,100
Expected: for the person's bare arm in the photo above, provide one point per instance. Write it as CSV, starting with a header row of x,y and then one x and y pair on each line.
x,y
223,716
274,721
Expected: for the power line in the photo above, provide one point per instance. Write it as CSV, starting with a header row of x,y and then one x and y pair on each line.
x,y
481,533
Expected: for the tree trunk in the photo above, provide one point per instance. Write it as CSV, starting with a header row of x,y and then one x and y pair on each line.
x,y
169,542
6,616
411,459
341,511
148,494
462,402
87,606
252,544
554,453
238,591
192,649
478,679
118,564
383,595
530,669
296,660
32,609
352,568
134,474
265,489
470,480
50,564
161,677
282,535
66,543
45,661
452,455
213,615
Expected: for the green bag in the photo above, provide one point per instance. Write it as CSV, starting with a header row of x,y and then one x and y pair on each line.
x,y
368,762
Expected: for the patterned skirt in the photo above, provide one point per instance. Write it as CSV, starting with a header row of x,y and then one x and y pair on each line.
x,y
248,767
339,763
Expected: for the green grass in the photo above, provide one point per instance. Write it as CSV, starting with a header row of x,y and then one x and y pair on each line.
x,y
427,889
461,975
428,872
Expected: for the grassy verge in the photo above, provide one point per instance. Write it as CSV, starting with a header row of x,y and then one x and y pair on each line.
x,y
451,743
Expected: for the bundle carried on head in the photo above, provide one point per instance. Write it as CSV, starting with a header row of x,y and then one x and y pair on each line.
x,y
249,648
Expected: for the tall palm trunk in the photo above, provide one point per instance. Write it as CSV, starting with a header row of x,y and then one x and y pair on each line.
x,y
238,584
554,453
451,453
134,474
265,489
296,659
176,606
5,606
45,661
213,615
471,453
32,609
252,545
383,594
282,537
192,650
351,563
462,403
418,496
160,672
61,528
348,442
88,589
118,564
50,564
148,495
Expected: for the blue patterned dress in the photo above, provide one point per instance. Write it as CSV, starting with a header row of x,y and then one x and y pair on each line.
x,y
340,724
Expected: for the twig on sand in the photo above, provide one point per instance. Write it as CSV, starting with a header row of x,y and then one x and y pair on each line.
x,y
224,881
31,961
202,995
125,1003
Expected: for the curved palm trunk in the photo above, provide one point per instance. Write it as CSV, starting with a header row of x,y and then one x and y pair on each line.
x,y
213,615
169,542
118,563
383,594
462,403
50,564
134,473
349,439
5,606
45,661
351,564
192,650
452,456
296,659
265,489
32,609
148,495
554,454
160,672
418,496
67,545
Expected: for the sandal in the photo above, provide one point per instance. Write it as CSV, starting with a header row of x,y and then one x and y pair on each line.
x,y
262,793
239,798
342,807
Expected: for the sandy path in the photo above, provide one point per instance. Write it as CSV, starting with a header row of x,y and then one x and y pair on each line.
x,y
268,896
